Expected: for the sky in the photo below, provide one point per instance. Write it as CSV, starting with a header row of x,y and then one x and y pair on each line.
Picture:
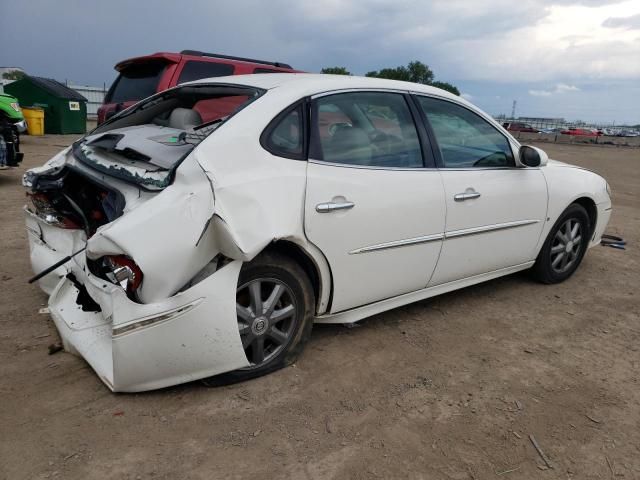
x,y
577,59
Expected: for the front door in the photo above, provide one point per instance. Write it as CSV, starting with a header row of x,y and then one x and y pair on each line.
x,y
495,211
371,206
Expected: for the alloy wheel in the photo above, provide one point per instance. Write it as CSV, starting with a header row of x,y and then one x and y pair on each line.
x,y
266,313
566,246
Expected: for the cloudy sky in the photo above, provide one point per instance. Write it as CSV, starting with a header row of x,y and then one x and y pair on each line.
x,y
578,59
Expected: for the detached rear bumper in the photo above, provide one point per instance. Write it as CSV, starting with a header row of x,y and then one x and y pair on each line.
x,y
136,347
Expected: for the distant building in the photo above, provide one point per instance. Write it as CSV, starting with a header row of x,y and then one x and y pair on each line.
x,y
541,120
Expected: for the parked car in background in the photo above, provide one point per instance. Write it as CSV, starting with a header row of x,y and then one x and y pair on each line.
x,y
206,244
585,132
519,127
628,133
141,77
551,130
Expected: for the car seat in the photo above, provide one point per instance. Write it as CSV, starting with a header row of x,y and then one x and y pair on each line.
x,y
184,118
349,145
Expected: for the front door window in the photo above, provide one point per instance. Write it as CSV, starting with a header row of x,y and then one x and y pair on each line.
x,y
465,138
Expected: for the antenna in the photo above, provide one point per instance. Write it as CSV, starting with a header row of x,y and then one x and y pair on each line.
x,y
513,110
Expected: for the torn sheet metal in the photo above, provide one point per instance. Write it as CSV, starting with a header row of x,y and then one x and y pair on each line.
x,y
162,236
135,347
142,155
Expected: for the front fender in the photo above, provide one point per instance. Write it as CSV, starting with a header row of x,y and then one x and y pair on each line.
x,y
566,184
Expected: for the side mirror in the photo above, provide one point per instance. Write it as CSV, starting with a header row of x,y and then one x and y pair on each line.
x,y
532,156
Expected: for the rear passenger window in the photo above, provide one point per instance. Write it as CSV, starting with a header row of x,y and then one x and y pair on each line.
x,y
284,137
194,70
365,128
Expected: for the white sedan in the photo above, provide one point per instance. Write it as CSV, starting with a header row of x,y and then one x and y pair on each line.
x,y
210,226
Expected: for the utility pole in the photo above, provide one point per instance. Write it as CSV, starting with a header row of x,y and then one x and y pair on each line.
x,y
513,110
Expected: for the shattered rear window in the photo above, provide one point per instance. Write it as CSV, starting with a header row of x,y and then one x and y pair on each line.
x,y
136,82
145,144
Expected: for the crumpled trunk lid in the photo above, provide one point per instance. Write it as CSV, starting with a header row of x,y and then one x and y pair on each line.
x,y
145,155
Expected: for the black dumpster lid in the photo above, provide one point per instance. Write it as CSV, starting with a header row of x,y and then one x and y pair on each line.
x,y
57,89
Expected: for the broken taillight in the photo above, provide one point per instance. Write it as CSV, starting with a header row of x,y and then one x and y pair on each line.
x,y
44,208
124,272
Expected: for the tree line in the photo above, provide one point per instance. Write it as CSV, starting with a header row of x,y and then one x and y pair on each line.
x,y
416,72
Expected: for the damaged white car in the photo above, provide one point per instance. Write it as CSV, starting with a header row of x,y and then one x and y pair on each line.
x,y
209,226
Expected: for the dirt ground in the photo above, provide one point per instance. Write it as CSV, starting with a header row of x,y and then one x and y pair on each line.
x,y
449,388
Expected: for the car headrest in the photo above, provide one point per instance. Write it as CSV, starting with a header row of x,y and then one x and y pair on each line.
x,y
351,145
184,118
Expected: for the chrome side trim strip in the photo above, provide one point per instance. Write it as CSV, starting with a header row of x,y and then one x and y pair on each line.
x,y
337,91
418,169
398,243
146,322
488,228
440,236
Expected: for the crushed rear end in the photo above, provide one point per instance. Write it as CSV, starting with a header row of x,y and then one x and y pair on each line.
x,y
151,301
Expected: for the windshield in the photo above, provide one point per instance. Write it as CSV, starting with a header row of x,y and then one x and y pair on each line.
x,y
145,143
136,82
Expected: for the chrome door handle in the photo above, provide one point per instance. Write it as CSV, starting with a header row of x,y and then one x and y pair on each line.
x,y
332,206
470,195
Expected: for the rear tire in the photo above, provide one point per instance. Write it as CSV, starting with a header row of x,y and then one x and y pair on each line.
x,y
564,247
275,304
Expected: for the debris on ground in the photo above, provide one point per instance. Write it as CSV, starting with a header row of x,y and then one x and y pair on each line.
x,y
55,348
594,420
540,452
508,471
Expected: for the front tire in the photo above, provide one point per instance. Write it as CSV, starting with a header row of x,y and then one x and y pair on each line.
x,y
564,247
274,305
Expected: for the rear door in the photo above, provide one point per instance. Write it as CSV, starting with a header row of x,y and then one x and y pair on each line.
x,y
371,206
495,210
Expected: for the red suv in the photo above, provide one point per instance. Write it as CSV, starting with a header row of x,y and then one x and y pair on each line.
x,y
584,132
520,127
141,77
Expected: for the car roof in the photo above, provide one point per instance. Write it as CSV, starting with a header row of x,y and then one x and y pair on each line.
x,y
301,85
312,83
171,57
